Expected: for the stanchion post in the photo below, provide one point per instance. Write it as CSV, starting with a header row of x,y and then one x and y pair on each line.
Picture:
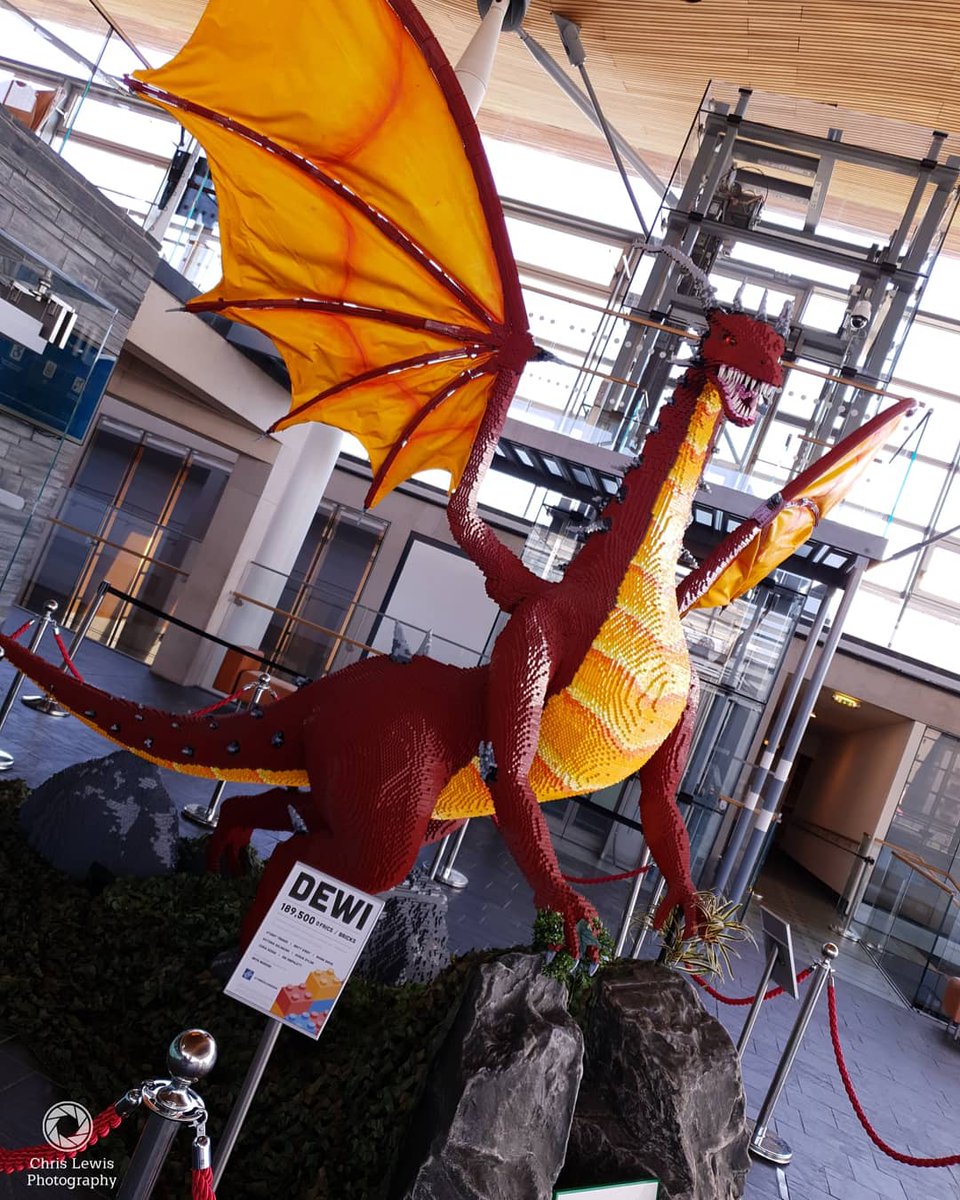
x,y
208,814
757,1001
625,923
248,1089
434,870
172,1103
11,696
447,875
856,886
648,916
763,1143
44,704
88,618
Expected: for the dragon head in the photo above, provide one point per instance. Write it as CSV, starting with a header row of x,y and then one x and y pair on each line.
x,y
741,353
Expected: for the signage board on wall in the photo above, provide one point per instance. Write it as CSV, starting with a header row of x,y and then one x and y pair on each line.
x,y
58,389
300,958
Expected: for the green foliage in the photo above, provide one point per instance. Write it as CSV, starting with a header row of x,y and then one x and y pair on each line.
x,y
708,953
548,937
98,984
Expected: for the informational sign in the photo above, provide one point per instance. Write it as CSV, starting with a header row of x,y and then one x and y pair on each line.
x,y
643,1189
301,957
58,389
776,935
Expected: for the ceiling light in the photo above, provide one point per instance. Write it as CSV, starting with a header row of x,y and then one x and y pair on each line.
x,y
846,701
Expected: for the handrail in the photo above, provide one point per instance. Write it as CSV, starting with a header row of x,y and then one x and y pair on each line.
x,y
913,864
95,537
831,836
912,854
310,624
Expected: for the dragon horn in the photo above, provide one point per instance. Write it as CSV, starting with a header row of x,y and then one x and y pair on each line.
x,y
426,645
783,321
762,310
400,651
737,302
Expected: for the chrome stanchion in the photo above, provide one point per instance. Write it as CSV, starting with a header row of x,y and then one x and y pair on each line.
x,y
208,814
8,701
757,1001
763,1143
648,916
856,886
44,704
172,1103
447,875
245,1098
627,920
438,857
88,618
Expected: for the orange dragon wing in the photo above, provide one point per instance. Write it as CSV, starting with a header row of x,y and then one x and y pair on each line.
x,y
360,225
773,533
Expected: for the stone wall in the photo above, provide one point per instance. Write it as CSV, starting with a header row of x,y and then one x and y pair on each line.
x,y
48,207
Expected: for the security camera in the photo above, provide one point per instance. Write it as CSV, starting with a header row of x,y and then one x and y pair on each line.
x,y
860,313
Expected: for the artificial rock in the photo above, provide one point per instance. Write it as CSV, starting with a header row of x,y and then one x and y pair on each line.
x,y
409,942
499,1099
662,1094
113,813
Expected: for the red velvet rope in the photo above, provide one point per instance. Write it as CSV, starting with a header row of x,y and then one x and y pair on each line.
x,y
18,634
606,878
20,1160
66,656
202,712
770,995
202,1184
950,1160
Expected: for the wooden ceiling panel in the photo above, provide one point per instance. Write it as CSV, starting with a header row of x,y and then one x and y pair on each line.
x,y
650,61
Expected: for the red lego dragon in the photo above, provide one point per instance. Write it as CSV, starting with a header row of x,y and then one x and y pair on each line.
x,y
400,318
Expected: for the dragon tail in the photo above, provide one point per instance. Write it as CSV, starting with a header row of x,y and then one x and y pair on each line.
x,y
257,746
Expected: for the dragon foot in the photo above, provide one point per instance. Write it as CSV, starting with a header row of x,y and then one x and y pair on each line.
x,y
686,900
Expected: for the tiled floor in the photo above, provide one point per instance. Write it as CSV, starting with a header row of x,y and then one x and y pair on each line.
x,y
905,1068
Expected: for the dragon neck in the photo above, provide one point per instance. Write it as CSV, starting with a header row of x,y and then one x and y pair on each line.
x,y
647,520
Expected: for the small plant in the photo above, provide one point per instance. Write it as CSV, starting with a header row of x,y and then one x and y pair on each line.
x,y
548,938
709,952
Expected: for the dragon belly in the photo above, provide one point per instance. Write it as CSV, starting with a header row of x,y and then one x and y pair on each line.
x,y
627,695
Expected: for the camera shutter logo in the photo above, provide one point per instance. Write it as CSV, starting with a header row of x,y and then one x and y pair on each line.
x,y
67,1126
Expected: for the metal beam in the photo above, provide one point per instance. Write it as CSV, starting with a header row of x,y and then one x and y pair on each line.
x,y
582,101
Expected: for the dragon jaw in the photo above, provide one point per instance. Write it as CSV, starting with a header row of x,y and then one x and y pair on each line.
x,y
742,354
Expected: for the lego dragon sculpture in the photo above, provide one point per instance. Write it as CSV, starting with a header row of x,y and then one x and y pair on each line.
x,y
589,681
389,288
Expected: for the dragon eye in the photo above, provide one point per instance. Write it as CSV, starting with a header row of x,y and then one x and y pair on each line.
x,y
729,339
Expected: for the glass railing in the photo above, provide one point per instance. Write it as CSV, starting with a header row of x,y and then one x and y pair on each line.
x,y
327,629
909,921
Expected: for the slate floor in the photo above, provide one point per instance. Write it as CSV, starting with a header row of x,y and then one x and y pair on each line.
x,y
906,1070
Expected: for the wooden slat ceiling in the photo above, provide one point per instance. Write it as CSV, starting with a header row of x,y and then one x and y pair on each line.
x,y
650,61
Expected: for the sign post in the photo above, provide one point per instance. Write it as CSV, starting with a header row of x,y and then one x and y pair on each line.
x,y
780,966
295,969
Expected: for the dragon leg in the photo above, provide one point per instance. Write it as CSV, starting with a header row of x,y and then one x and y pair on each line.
x,y
663,825
520,674
241,815
369,810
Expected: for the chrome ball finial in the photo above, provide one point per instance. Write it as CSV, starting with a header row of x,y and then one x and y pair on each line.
x,y
192,1055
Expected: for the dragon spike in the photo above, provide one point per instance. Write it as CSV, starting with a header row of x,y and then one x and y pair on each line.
x,y
736,304
783,321
400,650
701,281
426,645
762,310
